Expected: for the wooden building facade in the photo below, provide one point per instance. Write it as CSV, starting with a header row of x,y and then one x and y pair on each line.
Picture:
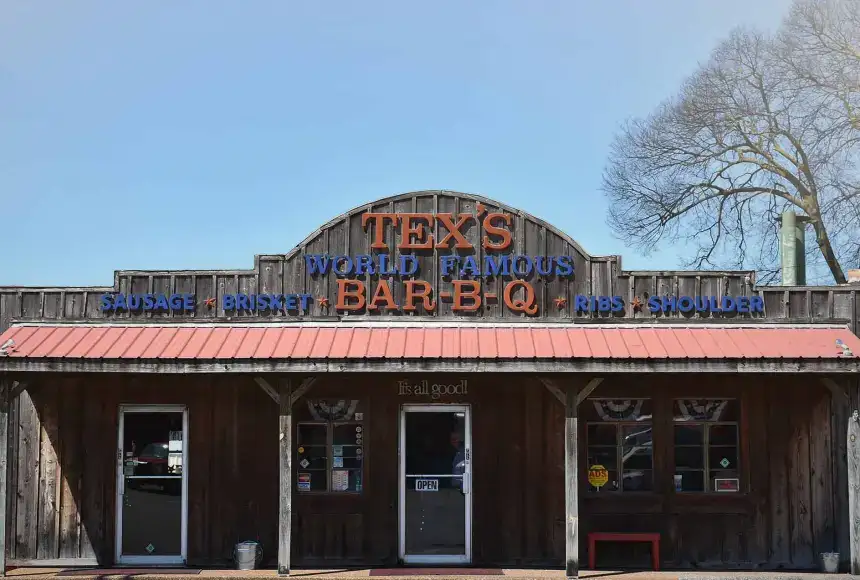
x,y
490,400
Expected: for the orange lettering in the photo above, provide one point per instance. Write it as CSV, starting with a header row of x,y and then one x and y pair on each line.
x,y
504,233
460,293
411,294
528,304
447,220
378,237
383,293
344,292
410,225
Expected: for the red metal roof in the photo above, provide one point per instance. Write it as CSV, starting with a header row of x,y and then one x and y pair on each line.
x,y
424,341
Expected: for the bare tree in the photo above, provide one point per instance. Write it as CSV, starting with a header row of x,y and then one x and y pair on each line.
x,y
768,123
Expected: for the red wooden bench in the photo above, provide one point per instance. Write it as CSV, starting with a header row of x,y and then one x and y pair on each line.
x,y
595,537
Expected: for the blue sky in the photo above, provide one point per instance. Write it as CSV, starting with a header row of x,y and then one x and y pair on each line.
x,y
195,134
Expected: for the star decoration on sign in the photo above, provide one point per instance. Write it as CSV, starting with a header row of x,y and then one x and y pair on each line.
x,y
323,301
209,302
560,301
636,304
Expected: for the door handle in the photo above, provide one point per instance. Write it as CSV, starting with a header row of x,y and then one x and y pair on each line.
x,y
466,486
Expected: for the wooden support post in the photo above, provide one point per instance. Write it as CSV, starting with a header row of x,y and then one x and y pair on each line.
x,y
571,491
285,475
854,490
5,388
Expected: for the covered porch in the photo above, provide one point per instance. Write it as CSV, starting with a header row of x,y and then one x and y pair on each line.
x,y
70,378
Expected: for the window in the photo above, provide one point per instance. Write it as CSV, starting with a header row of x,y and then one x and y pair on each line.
x,y
706,445
620,439
330,446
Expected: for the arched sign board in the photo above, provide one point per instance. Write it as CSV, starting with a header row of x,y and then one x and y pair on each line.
x,y
439,254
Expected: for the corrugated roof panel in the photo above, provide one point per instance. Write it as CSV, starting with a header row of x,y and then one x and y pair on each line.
x,y
416,340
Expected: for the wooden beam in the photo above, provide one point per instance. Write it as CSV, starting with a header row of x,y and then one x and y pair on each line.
x,y
836,389
571,490
285,489
562,397
587,390
269,389
303,388
550,386
854,490
5,387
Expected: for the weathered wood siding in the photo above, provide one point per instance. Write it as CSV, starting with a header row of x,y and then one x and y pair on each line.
x,y
287,273
62,484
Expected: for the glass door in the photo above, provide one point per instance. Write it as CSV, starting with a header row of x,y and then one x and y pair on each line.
x,y
435,484
152,461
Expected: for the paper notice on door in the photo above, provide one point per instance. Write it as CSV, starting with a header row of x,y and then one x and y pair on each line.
x,y
304,482
174,445
339,480
337,461
337,450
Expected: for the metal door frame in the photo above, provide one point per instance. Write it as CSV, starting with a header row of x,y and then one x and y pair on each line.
x,y
465,558
162,559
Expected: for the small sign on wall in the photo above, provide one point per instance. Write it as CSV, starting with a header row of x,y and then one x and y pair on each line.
x,y
426,485
432,390
730,485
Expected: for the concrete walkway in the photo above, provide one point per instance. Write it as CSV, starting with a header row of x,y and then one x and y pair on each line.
x,y
400,574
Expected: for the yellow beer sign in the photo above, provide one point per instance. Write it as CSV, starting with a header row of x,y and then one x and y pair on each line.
x,y
597,476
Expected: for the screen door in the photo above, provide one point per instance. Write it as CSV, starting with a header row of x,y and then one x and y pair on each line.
x,y
152,488
435,484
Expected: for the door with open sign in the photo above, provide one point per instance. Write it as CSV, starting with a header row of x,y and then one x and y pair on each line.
x,y
435,484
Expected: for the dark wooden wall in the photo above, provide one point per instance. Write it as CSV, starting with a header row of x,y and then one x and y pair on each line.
x,y
62,490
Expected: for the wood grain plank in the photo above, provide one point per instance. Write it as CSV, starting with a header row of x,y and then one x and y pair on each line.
x,y
29,431
71,463
49,523
285,510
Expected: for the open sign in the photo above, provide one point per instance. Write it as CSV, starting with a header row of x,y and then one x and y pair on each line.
x,y
426,485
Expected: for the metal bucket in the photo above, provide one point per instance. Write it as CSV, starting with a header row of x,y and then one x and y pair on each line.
x,y
830,562
247,555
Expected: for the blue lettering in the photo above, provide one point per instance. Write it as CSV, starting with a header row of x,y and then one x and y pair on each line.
x,y
306,299
342,259
106,302
685,304
276,302
654,304
603,304
756,304
669,303
242,302
317,263
134,302
471,265
161,303
701,304
617,304
364,265
543,265
743,304
518,270
385,268
447,263
119,303
728,304
580,303
291,302
228,302
564,266
413,265
175,301
500,267
148,301
262,302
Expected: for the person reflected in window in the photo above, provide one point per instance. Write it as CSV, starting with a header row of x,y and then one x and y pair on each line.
x,y
458,463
